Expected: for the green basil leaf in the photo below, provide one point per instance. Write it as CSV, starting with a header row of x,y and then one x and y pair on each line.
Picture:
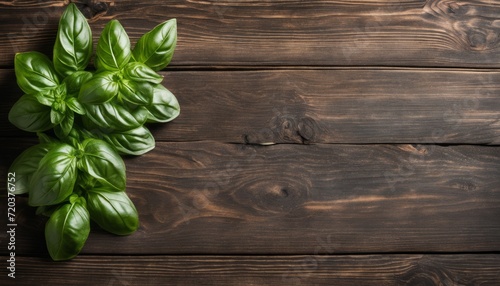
x,y
140,72
73,138
113,48
26,164
112,211
90,126
138,93
73,46
156,47
137,141
55,177
56,116
86,181
103,162
164,107
112,115
34,72
75,81
66,124
29,115
101,88
67,230
140,114
52,97
75,105
44,97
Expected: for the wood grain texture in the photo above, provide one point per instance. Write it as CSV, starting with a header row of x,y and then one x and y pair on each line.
x,y
444,33
388,270
213,198
219,207
336,106
323,106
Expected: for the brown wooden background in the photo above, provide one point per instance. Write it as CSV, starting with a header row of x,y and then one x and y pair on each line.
x,y
319,143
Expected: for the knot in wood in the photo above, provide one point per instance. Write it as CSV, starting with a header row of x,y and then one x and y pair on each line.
x,y
308,129
427,272
473,27
444,8
295,129
465,184
285,127
275,193
482,39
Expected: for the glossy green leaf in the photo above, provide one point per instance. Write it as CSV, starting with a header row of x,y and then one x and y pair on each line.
x,y
75,105
55,177
140,72
75,81
164,107
56,116
44,97
73,46
103,162
156,47
112,211
67,124
73,138
34,72
113,48
26,164
103,87
140,113
137,141
29,115
86,182
138,93
52,97
113,115
67,230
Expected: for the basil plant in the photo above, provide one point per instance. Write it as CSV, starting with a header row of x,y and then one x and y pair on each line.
x,y
85,121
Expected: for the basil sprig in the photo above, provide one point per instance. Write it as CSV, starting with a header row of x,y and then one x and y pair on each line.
x,y
85,120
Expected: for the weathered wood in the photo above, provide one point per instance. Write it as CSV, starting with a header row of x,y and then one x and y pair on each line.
x,y
263,270
336,106
213,198
291,71
287,32
324,106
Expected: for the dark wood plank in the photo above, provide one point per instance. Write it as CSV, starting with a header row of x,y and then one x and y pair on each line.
x,y
336,106
324,106
286,32
213,198
263,270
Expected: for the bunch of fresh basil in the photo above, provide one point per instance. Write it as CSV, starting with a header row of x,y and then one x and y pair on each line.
x,y
85,120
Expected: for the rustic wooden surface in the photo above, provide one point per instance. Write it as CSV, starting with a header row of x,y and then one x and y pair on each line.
x,y
384,270
319,143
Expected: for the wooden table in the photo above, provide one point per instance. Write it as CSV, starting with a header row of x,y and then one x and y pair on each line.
x,y
319,143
